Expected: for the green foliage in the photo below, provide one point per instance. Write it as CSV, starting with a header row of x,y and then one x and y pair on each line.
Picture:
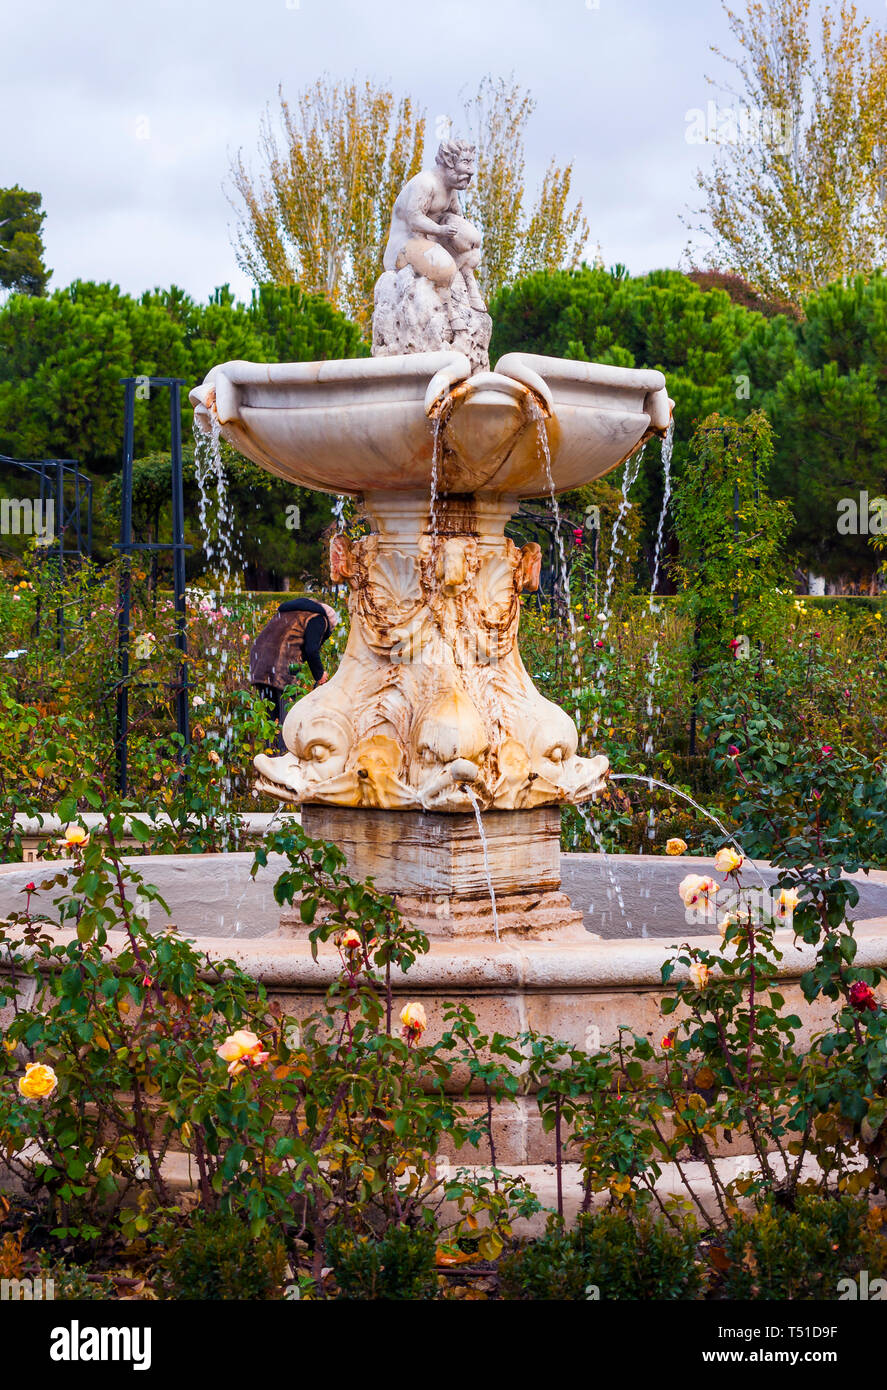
x,y
22,268
660,320
400,1265
819,381
790,792
803,1252
75,1283
217,1257
609,1255
550,1268
731,534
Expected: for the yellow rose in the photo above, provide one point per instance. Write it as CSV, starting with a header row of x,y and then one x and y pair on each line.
x,y
699,974
414,1021
727,861
676,846
38,1082
75,837
241,1049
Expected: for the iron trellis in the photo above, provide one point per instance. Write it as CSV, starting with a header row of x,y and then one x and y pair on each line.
x,y
70,492
127,547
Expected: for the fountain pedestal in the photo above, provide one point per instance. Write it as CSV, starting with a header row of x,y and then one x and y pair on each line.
x,y
420,853
442,874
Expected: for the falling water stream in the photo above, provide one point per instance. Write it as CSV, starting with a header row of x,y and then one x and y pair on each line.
x,y
614,889
652,782
653,607
222,549
630,474
538,415
250,880
440,420
483,844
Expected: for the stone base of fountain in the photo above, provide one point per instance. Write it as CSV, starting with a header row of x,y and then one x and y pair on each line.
x,y
446,879
519,916
427,854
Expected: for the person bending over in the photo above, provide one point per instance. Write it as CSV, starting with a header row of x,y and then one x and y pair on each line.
x,y
294,635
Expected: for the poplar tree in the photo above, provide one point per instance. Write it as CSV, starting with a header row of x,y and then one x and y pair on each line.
x,y
797,193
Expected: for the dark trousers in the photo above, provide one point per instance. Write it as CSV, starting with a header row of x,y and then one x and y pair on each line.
x,y
274,699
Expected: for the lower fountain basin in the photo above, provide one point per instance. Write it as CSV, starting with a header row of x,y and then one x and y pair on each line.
x,y
580,990
213,894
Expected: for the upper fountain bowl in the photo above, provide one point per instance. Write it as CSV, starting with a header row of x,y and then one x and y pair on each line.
x,y
375,424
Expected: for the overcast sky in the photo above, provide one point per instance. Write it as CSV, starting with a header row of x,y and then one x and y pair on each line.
x,y
124,115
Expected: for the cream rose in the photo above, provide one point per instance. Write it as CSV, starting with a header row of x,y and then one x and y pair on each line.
x,y
727,861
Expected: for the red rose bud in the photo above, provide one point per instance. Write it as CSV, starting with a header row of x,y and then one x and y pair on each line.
x,y
862,996
733,751
826,750
599,643
30,887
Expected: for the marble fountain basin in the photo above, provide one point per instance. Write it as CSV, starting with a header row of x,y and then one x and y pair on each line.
x,y
397,423
580,987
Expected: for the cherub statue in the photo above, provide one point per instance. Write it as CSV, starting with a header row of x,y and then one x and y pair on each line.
x,y
428,298
428,231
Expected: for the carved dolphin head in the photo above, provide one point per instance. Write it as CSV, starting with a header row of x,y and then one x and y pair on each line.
x,y
448,747
319,737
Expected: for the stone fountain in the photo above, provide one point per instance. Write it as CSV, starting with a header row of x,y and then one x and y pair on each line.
x,y
430,757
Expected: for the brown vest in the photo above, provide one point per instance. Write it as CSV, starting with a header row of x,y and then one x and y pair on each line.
x,y
277,648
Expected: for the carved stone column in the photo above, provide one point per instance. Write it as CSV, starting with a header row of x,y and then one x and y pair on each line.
x,y
432,708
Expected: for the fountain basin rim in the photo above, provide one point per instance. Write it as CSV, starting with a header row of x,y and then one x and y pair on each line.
x,y
348,426
487,966
441,370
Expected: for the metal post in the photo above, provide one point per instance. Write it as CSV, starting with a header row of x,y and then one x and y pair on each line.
x,y
77,503
60,527
178,563
123,610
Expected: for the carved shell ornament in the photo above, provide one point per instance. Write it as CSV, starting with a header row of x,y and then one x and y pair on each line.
x,y
495,589
393,584
394,620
